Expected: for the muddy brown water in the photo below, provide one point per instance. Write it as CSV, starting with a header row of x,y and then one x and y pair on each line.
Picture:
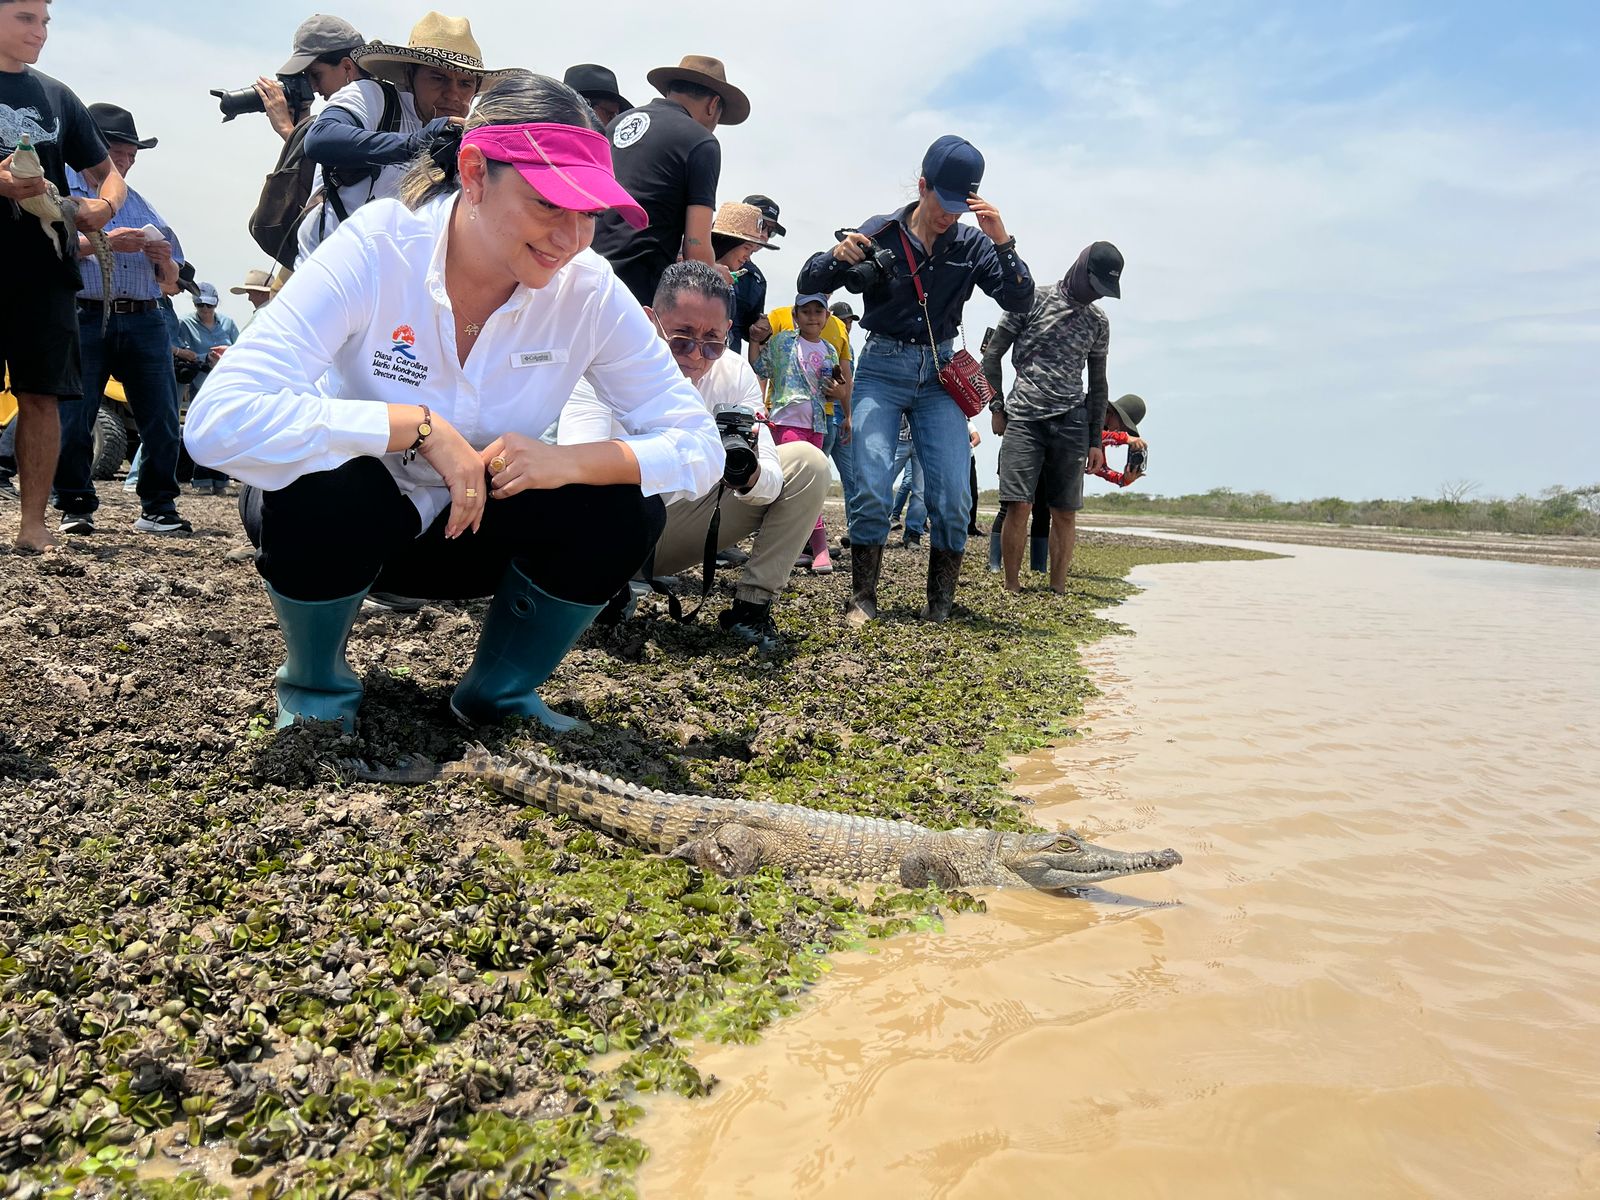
x,y
1377,972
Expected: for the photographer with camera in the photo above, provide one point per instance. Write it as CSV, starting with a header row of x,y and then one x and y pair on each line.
x,y
915,269
776,492
371,130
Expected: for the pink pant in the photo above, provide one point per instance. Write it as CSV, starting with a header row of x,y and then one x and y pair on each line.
x,y
793,433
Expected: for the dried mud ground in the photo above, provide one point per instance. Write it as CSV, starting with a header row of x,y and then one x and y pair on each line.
x,y
226,968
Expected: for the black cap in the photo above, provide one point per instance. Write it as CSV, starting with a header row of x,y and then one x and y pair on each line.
x,y
1105,269
319,35
769,212
117,125
842,310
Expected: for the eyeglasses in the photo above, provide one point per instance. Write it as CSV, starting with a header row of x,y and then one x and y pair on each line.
x,y
682,346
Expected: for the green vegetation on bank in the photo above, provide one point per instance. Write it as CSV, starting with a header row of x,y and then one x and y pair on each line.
x,y
315,989
1572,512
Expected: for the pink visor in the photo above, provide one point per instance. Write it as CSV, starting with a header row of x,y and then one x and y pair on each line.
x,y
569,166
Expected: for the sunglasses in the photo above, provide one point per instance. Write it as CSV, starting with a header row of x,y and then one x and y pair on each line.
x,y
682,346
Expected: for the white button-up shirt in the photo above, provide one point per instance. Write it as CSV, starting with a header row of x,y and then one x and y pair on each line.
x,y
729,383
366,323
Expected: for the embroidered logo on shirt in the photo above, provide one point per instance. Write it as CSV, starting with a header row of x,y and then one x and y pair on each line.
x,y
399,363
537,358
631,130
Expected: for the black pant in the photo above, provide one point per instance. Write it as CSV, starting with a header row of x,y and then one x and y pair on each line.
x,y
334,533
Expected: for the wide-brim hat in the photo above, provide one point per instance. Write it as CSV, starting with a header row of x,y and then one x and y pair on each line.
x,y
436,41
1131,409
708,72
591,79
254,281
742,221
116,124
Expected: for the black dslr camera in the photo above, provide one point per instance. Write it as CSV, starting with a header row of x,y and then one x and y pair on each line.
x,y
875,269
296,90
738,430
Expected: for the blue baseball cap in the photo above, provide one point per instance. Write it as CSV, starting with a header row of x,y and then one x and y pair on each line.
x,y
954,169
807,297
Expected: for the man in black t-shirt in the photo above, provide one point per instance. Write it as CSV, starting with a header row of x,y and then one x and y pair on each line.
x,y
667,156
38,305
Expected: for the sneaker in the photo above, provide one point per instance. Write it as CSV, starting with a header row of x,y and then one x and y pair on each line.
x,y
390,602
164,524
751,622
911,538
82,523
802,561
732,557
822,564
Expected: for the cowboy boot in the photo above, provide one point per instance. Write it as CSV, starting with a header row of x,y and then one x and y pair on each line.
x,y
525,636
865,564
944,569
315,682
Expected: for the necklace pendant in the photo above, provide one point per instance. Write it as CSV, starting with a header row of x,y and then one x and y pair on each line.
x,y
473,329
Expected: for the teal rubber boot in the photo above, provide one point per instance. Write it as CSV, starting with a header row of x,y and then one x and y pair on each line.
x,y
525,636
994,550
315,683
1039,554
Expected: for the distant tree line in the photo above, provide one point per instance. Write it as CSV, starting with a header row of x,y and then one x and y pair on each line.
x,y
1573,512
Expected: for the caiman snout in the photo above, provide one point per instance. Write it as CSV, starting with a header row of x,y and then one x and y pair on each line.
x,y
1067,861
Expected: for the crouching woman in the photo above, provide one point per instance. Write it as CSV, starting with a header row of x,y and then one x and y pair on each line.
x,y
388,406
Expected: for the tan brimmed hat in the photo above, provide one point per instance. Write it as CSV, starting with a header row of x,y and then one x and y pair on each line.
x,y
742,221
708,72
254,281
436,41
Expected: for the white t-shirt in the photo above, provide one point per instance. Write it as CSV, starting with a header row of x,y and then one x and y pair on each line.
x,y
364,100
366,323
728,383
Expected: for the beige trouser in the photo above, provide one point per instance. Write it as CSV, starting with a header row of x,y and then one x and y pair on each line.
x,y
781,527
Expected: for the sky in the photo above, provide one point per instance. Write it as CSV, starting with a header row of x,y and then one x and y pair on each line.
x,y
1362,238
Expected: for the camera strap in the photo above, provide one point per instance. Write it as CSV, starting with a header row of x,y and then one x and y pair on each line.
x,y
708,568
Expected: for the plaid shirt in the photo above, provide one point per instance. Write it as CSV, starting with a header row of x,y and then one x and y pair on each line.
x,y
133,277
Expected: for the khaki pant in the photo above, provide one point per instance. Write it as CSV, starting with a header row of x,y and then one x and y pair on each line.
x,y
781,528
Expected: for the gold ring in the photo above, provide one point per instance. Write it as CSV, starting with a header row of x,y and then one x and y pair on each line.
x,y
497,463
471,494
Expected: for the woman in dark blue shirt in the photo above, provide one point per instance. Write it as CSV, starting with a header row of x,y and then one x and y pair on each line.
x,y
898,371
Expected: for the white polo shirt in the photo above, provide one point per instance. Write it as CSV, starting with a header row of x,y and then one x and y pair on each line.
x,y
366,323
728,383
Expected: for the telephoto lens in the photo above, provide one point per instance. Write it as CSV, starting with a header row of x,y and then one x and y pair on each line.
x,y
233,104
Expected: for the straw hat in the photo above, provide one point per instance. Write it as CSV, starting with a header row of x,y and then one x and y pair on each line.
x,y
708,72
742,221
445,43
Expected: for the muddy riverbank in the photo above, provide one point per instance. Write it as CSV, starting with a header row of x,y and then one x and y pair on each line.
x,y
225,967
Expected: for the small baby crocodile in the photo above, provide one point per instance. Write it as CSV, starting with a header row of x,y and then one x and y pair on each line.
x,y
52,208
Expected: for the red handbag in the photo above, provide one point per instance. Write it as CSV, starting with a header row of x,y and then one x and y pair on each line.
x,y
962,376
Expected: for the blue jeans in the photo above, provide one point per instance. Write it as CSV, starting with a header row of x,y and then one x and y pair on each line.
x,y
893,378
911,489
843,455
137,349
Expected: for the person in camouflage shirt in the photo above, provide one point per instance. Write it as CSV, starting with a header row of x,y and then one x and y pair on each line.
x,y
1051,424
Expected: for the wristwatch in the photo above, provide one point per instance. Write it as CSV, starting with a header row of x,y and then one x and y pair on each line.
x,y
424,428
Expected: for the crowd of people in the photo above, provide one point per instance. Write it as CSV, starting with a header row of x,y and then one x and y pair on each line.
x,y
511,345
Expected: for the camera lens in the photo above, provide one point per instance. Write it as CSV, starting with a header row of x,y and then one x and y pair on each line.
x,y
232,104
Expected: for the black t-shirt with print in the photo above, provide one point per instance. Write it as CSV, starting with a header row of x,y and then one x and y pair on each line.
x,y
668,161
64,135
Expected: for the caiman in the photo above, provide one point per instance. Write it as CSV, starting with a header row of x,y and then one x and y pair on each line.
x,y
52,208
735,837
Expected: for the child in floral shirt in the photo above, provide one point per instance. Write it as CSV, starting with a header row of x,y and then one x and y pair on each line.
x,y
797,366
